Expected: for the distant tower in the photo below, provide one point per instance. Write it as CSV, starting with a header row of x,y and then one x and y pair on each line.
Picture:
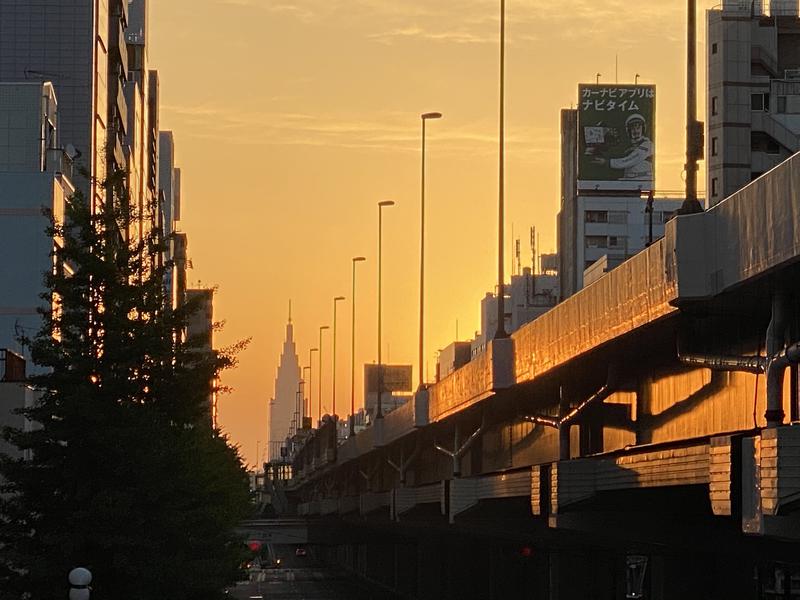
x,y
282,407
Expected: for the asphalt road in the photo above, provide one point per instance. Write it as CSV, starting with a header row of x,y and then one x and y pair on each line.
x,y
303,578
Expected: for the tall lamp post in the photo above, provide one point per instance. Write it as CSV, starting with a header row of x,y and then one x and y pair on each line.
x,y
381,205
424,118
356,259
336,300
306,389
310,388
319,399
501,309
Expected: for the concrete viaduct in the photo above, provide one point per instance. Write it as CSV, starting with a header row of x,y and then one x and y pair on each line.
x,y
639,438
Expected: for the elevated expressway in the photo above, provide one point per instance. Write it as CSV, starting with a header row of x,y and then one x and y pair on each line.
x,y
673,379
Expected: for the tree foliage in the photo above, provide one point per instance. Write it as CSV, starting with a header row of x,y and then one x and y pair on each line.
x,y
126,475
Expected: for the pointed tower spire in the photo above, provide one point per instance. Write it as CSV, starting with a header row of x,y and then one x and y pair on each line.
x,y
289,326
283,405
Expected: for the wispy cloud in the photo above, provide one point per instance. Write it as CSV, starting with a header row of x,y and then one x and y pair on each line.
x,y
387,132
459,37
475,21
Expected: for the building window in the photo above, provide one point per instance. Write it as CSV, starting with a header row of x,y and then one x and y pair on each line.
x,y
616,241
759,102
714,186
713,146
596,216
618,217
714,48
781,104
714,106
763,142
596,241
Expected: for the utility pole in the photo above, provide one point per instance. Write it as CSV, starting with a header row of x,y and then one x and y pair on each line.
x,y
694,128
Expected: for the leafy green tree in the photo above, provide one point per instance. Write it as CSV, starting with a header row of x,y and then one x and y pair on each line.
x,y
126,475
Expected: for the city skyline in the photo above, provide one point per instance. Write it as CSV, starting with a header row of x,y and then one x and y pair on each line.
x,y
300,135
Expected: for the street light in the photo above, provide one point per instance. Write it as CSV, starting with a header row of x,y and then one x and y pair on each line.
x,y
356,259
319,399
311,372
424,117
303,381
500,332
333,382
381,206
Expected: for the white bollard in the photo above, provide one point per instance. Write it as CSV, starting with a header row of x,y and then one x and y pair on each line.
x,y
80,579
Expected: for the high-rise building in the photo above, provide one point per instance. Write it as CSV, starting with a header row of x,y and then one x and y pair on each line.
x,y
527,298
200,334
282,407
607,173
142,138
753,99
169,178
34,175
79,46
567,225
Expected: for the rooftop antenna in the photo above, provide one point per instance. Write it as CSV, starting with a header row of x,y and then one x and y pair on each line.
x,y
519,256
290,310
636,79
513,272
533,249
597,78
538,251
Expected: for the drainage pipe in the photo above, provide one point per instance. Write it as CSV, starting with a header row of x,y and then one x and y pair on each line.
x,y
778,359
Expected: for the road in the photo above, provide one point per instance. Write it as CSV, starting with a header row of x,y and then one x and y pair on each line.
x,y
303,578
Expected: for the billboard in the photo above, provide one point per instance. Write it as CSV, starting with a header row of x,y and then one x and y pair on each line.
x,y
396,378
616,137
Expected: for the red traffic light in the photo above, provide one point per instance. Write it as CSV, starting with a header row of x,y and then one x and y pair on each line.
x,y
526,552
254,545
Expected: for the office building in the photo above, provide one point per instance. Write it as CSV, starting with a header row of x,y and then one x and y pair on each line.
x,y
34,177
527,298
15,394
200,336
169,181
608,149
753,99
283,407
80,47
143,135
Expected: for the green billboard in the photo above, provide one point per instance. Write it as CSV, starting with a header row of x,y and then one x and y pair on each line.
x,y
616,137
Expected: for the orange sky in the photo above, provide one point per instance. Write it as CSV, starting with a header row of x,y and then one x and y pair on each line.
x,y
292,118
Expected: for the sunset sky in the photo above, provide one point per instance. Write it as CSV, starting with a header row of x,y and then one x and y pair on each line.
x,y
293,118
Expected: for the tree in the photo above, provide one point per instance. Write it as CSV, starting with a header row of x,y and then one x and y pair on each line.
x,y
127,475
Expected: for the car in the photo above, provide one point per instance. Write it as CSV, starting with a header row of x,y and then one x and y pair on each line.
x,y
300,551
